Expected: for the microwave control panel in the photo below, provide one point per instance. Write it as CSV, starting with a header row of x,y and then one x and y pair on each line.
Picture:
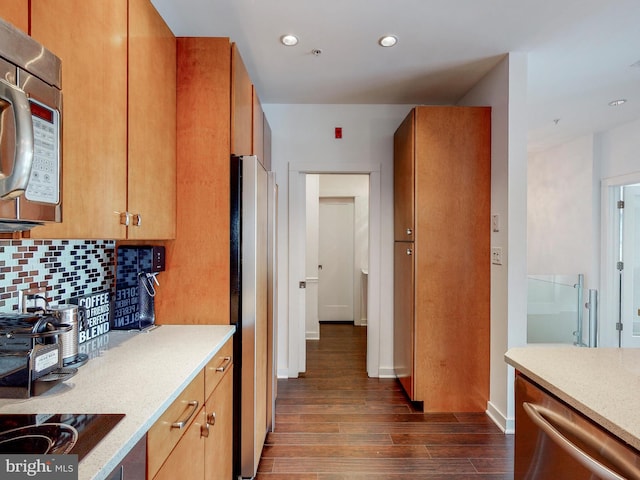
x,y
44,181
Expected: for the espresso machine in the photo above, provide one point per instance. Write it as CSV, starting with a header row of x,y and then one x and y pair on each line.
x,y
136,286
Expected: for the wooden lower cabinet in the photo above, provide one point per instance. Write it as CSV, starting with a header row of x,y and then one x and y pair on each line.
x,y
218,448
203,448
164,435
187,458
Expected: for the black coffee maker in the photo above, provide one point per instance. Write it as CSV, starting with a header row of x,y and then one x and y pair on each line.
x,y
136,286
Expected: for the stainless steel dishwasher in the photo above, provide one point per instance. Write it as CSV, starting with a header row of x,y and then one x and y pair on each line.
x,y
554,441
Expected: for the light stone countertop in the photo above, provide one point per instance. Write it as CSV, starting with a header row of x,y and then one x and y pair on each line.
x,y
601,383
136,373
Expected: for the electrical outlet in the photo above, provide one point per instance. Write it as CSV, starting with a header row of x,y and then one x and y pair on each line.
x,y
496,255
32,298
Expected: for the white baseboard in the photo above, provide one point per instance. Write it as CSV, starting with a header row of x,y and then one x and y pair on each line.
x,y
386,373
507,425
312,336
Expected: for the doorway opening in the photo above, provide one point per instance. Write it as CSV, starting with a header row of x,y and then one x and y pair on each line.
x,y
337,250
339,192
620,302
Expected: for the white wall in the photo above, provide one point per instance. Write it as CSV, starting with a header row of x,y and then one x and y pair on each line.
x,y
566,210
618,150
560,217
504,89
305,134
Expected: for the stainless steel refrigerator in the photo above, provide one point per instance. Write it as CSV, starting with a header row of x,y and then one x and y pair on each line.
x,y
250,253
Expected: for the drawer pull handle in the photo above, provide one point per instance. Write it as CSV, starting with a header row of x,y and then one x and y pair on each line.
x,y
545,419
223,366
181,424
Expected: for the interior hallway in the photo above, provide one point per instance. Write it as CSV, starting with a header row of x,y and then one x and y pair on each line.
x,y
335,423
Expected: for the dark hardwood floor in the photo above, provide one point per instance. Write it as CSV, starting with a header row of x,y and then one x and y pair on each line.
x,y
335,423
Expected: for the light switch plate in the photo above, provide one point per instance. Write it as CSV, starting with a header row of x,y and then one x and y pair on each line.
x,y
495,223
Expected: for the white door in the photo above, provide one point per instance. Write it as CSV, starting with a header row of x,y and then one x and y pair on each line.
x,y
336,259
630,299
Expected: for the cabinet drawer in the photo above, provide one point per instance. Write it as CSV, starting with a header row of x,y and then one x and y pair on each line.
x,y
187,459
167,431
217,367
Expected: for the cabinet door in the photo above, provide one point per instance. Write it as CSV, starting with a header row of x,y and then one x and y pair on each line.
x,y
403,180
241,105
452,270
403,304
164,435
152,124
187,458
198,260
90,37
16,12
218,457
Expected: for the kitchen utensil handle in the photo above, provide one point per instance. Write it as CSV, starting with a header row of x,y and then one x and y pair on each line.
x,y
14,183
181,424
542,417
223,366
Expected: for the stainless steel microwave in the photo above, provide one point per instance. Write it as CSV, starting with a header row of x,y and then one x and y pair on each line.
x,y
30,132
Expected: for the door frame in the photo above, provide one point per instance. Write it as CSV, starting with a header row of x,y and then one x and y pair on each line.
x,y
297,255
609,276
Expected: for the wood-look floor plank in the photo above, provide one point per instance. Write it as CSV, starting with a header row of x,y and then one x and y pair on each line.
x,y
277,438
335,423
404,476
454,439
408,466
335,450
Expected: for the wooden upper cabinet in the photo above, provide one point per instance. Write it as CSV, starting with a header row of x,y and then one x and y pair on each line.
x,y
241,106
119,114
152,124
403,180
16,12
90,37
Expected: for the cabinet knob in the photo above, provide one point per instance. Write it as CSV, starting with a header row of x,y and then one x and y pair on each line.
x,y
137,220
125,218
409,231
211,419
409,251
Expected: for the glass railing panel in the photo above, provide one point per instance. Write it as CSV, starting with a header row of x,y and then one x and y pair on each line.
x,y
554,309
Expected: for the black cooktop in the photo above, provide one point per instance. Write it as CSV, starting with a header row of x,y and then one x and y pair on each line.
x,y
54,434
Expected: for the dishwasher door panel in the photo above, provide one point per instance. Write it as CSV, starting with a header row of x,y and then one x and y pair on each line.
x,y
555,441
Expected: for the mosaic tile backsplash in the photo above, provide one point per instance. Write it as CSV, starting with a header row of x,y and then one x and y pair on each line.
x,y
68,268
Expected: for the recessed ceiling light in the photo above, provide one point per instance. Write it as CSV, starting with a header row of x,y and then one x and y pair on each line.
x,y
289,40
388,41
617,103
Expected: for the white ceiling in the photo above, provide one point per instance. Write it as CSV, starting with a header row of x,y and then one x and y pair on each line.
x,y
582,53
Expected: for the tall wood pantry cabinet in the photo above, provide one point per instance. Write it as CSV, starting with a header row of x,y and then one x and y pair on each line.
x,y
442,193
